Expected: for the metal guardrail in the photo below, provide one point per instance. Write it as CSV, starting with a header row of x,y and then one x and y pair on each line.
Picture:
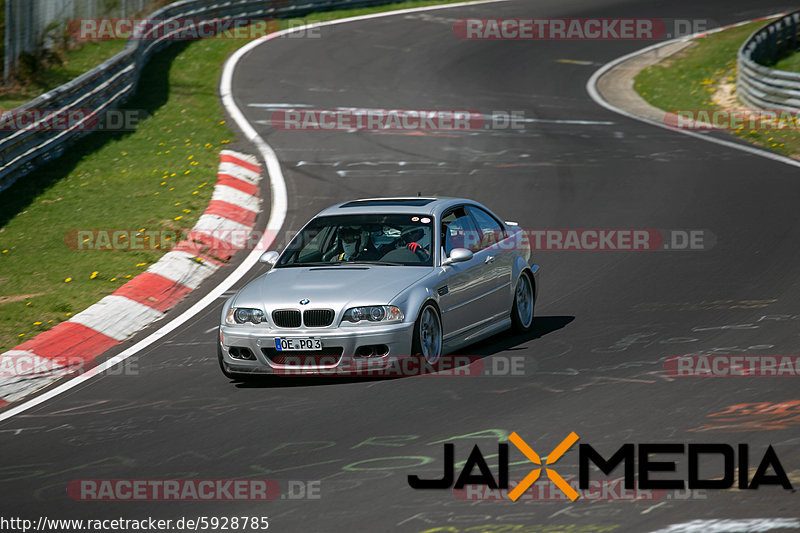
x,y
759,86
110,84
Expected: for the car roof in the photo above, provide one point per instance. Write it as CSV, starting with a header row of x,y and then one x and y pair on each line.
x,y
418,205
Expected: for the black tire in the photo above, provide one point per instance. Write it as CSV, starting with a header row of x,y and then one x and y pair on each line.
x,y
427,329
519,323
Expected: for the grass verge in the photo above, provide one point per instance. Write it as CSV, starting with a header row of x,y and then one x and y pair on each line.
x,y
790,63
690,80
74,63
158,177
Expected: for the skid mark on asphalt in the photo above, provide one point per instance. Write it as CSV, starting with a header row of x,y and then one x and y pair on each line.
x,y
759,416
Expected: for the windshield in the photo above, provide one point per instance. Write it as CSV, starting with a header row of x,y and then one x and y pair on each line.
x,y
372,239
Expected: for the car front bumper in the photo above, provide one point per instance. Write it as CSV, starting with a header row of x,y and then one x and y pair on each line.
x,y
341,351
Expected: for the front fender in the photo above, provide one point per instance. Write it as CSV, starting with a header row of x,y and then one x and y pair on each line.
x,y
412,299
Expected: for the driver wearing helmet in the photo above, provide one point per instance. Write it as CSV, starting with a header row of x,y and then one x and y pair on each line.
x,y
353,246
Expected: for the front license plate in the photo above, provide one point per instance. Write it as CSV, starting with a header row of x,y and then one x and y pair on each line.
x,y
296,345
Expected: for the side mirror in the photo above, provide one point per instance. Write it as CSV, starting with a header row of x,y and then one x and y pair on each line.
x,y
269,258
458,255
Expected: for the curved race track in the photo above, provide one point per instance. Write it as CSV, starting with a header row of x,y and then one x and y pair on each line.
x,y
605,320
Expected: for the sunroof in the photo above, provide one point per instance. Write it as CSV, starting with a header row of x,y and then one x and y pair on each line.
x,y
414,202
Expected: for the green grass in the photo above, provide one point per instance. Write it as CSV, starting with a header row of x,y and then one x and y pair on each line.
x,y
136,180
687,81
790,63
75,63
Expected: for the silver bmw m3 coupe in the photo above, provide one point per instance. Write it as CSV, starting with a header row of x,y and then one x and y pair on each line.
x,y
369,281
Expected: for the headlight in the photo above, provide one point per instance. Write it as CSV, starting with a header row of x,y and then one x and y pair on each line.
x,y
242,315
373,313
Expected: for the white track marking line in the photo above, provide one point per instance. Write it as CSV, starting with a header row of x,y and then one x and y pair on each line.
x,y
591,88
734,525
277,216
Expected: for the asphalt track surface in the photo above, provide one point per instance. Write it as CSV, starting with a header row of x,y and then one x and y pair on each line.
x,y
605,320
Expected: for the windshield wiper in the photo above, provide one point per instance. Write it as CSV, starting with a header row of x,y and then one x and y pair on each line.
x,y
342,263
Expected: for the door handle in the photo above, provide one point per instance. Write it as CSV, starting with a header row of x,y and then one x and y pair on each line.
x,y
489,259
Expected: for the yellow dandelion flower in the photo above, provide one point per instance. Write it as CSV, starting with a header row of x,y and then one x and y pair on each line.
x,y
21,335
128,276
113,279
37,323
69,314
67,280
195,192
190,158
140,264
187,172
5,251
94,275
178,218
